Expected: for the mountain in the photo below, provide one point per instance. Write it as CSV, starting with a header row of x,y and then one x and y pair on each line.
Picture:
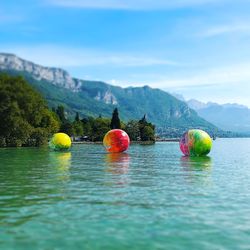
x,y
233,117
55,76
92,98
197,105
178,96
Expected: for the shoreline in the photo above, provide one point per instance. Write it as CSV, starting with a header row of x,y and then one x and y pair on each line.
x,y
132,142
100,142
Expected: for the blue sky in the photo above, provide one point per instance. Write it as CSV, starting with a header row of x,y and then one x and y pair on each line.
x,y
198,48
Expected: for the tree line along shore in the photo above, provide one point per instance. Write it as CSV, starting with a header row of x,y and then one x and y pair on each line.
x,y
26,120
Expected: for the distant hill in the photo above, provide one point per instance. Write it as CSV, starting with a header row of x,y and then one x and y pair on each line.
x,y
233,117
93,98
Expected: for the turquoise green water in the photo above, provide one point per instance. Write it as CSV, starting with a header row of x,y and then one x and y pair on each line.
x,y
149,198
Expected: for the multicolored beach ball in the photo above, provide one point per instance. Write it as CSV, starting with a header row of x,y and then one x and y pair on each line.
x,y
116,141
60,141
195,142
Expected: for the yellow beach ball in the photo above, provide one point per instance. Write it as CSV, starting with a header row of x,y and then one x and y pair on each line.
x,y
60,141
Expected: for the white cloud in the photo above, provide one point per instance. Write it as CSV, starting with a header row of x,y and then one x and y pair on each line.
x,y
225,29
221,93
206,78
233,74
49,55
229,84
131,4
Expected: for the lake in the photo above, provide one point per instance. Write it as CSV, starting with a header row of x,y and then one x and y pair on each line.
x,y
148,198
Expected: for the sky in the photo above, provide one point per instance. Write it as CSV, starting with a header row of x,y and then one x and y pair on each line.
x,y
197,48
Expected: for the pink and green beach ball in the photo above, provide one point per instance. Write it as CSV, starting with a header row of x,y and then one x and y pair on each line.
x,y
195,142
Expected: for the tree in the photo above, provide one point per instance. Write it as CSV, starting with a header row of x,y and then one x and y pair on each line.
x,y
77,126
115,121
23,114
61,113
87,126
100,127
143,120
147,130
133,130
77,118
147,134
67,128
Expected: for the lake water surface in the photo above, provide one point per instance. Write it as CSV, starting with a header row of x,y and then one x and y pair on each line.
x,y
148,198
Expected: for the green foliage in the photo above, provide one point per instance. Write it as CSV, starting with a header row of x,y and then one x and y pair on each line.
x,y
65,125
49,121
133,130
94,129
38,137
100,127
78,128
147,134
23,114
67,128
147,130
61,113
87,126
77,118
115,121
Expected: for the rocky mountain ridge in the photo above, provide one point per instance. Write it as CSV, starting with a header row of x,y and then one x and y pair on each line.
x,y
56,76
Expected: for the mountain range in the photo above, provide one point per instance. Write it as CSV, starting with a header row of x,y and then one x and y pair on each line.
x,y
233,117
92,98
